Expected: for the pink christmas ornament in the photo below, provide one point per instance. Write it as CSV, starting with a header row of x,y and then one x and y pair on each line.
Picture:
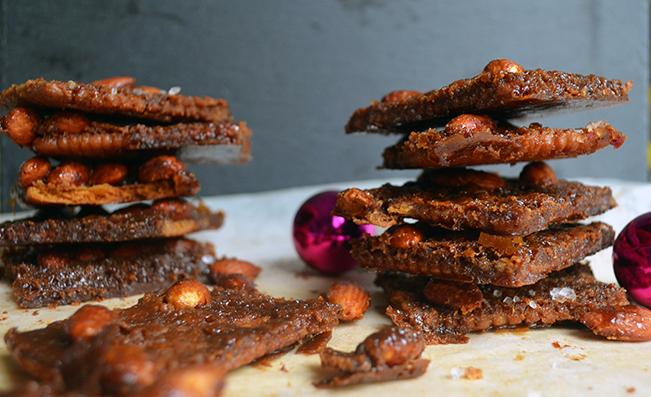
x,y
632,259
321,239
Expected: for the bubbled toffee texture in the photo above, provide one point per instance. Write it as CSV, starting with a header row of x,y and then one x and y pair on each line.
x,y
136,350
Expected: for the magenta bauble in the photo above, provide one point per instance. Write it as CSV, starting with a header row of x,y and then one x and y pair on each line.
x,y
632,259
321,239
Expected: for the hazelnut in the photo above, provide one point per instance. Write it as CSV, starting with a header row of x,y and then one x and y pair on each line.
x,y
400,96
116,82
160,168
67,123
227,266
110,173
187,294
404,236
20,124
468,124
126,369
69,174
89,321
503,66
538,173
33,170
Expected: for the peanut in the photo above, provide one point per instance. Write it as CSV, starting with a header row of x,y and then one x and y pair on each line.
x,y
538,173
20,124
392,346
89,321
33,170
227,266
468,124
352,298
126,369
404,236
187,294
503,66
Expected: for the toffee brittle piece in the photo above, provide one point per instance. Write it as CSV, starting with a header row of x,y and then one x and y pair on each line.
x,y
66,274
75,183
463,199
476,140
137,350
74,135
164,218
479,257
111,99
389,354
443,312
503,89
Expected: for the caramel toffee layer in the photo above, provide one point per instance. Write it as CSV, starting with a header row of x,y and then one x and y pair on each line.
x,y
73,273
504,89
446,311
478,257
165,218
127,101
475,140
461,199
140,350
75,183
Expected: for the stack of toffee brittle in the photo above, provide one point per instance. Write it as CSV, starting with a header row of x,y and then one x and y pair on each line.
x,y
488,252
110,142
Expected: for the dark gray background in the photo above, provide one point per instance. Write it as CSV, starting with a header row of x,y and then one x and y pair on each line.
x,y
295,70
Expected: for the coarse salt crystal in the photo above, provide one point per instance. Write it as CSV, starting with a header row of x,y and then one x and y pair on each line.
x,y
508,300
562,294
531,292
207,259
533,304
497,293
174,90
456,372
516,299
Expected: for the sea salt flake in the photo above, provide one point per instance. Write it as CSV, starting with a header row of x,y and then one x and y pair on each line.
x,y
174,90
207,259
562,294
516,299
497,293
533,304
456,372
508,300
531,292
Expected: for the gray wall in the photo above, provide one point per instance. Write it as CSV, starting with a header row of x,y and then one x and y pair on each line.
x,y
295,70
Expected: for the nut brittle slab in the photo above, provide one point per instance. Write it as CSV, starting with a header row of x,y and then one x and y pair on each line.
x,y
462,199
445,311
504,90
164,218
126,101
66,274
476,140
480,258
98,351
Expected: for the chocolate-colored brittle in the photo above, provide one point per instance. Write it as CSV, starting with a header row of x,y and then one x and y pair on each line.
x,y
446,311
109,99
65,274
140,350
479,257
504,90
164,218
389,354
462,199
475,140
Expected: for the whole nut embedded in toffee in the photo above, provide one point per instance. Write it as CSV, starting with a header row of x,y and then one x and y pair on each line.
x,y
352,298
160,168
33,170
116,82
20,124
126,369
538,173
469,124
197,381
399,96
460,177
226,266
503,66
404,236
66,123
69,175
110,173
89,321
187,294
392,346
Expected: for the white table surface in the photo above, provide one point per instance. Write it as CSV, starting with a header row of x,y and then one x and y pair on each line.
x,y
258,228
